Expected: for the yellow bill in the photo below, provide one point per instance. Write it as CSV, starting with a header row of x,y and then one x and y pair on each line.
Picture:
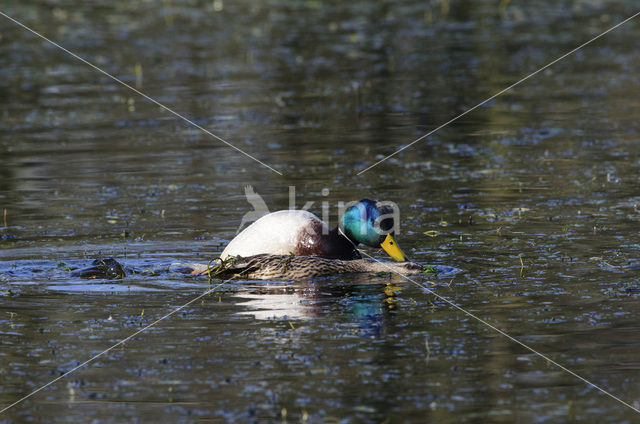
x,y
391,247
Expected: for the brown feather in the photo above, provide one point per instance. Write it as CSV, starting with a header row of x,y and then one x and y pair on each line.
x,y
311,242
278,267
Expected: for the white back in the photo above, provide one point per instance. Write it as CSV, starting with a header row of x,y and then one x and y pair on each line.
x,y
277,233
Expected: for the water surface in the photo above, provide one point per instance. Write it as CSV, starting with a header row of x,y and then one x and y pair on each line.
x,y
534,196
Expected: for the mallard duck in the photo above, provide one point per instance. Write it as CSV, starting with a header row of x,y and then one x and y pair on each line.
x,y
296,244
258,267
301,233
291,267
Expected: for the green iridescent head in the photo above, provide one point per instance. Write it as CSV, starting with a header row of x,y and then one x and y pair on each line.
x,y
372,223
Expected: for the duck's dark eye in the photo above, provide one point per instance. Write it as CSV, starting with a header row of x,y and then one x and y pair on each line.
x,y
386,224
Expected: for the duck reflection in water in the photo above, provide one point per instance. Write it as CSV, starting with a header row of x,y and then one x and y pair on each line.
x,y
367,303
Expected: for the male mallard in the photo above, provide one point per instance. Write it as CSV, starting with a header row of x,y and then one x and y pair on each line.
x,y
301,233
296,244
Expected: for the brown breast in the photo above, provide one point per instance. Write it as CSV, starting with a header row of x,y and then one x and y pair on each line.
x,y
312,242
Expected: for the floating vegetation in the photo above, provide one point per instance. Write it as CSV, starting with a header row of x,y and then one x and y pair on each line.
x,y
429,270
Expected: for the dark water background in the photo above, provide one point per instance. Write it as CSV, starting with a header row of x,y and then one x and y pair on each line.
x,y
534,196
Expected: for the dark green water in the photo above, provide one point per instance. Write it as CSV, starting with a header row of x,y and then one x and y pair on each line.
x,y
534,196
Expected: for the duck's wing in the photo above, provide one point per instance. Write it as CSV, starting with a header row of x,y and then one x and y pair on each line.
x,y
252,267
278,233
